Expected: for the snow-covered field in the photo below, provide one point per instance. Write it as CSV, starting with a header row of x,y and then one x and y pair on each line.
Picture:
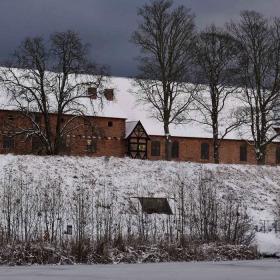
x,y
234,270
257,185
120,180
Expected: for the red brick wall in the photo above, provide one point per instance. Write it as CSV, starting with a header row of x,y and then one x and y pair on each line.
x,y
190,150
22,145
109,139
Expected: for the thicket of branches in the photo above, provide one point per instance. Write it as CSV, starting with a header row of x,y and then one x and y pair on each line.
x,y
216,60
165,37
277,208
39,213
258,64
49,77
238,63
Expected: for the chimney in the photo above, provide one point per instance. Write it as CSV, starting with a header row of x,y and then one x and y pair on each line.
x,y
109,94
92,92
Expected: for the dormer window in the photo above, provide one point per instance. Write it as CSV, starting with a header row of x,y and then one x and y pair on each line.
x,y
92,92
109,94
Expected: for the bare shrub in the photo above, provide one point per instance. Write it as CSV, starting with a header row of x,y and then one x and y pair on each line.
x,y
277,208
204,216
104,224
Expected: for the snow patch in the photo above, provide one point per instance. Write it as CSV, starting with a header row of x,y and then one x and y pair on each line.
x,y
268,243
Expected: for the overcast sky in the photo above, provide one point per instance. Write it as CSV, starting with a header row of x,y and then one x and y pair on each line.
x,y
106,24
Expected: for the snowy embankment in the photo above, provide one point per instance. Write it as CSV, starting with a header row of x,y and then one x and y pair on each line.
x,y
121,180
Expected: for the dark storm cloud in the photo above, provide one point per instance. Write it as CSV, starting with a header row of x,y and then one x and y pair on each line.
x,y
105,24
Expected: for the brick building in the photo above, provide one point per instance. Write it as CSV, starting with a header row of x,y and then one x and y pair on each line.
x,y
124,128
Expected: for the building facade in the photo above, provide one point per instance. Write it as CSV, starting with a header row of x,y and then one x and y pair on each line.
x,y
111,136
123,127
91,136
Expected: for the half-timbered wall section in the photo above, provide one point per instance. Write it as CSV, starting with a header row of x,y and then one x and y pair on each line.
x,y
137,140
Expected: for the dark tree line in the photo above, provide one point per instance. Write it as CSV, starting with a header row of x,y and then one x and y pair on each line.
x,y
165,37
259,65
215,55
239,61
45,77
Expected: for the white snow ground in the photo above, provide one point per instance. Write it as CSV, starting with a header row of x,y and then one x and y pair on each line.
x,y
241,270
268,243
125,178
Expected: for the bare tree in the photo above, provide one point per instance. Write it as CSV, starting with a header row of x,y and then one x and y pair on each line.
x,y
276,209
165,37
215,56
48,79
259,65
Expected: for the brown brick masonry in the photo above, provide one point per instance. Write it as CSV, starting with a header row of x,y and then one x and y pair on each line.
x,y
107,133
109,138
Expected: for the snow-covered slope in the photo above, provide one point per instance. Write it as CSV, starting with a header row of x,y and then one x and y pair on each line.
x,y
124,179
258,185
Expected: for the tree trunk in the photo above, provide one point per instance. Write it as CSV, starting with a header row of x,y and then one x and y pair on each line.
x,y
167,142
216,153
261,158
215,128
58,140
261,155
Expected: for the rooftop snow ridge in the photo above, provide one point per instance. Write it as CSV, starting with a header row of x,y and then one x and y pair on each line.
x,y
126,105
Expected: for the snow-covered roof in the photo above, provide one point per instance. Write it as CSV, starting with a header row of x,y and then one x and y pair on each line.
x,y
126,105
129,126
134,111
